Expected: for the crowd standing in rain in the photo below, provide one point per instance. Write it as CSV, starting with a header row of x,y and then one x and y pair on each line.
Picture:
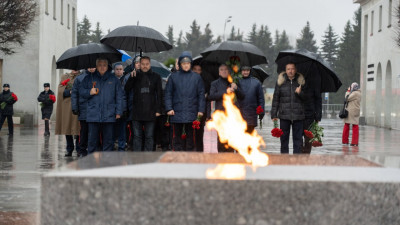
x,y
116,106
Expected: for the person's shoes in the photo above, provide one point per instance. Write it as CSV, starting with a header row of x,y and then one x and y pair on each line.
x,y
10,134
68,154
354,145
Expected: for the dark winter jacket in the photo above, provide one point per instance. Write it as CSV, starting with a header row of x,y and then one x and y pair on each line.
x,y
147,91
184,94
286,104
253,97
122,81
104,106
78,103
312,99
47,108
8,109
219,88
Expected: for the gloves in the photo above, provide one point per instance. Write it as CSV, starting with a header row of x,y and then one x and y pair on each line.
x,y
75,112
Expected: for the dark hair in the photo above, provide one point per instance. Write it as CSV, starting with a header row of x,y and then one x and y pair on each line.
x,y
223,64
144,57
102,59
291,63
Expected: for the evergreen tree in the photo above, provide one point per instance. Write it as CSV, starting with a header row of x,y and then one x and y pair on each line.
x,y
170,35
252,37
235,36
84,31
192,39
348,63
330,45
306,40
206,40
97,34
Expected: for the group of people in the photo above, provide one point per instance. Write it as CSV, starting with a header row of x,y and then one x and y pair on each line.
x,y
101,106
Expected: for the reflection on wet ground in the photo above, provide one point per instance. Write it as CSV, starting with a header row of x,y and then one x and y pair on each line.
x,y
28,155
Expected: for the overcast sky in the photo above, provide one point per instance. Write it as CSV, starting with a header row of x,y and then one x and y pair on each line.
x,y
289,15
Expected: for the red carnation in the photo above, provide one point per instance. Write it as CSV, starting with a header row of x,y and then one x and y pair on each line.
x,y
259,110
167,124
196,123
52,98
276,132
65,82
316,144
308,134
14,97
183,136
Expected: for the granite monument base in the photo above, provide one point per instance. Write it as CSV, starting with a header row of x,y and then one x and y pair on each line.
x,y
180,193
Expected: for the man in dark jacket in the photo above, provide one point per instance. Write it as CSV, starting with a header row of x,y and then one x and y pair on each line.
x,y
184,102
218,88
6,108
120,125
46,103
79,107
312,108
147,91
287,105
104,104
253,97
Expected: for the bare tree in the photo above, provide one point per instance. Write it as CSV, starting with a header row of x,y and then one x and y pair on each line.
x,y
15,18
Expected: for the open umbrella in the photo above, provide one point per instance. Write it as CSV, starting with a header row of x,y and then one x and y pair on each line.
x,y
312,66
84,56
259,73
137,38
249,54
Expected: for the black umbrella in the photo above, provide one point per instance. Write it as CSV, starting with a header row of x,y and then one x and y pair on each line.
x,y
210,69
259,73
312,66
84,56
249,54
137,38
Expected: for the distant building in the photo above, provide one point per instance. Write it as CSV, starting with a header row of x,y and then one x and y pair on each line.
x,y
380,67
51,33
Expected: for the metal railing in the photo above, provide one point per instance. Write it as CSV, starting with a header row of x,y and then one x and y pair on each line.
x,y
331,110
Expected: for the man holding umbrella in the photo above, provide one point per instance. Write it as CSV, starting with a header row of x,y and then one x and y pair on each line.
x,y
253,97
104,96
184,102
287,105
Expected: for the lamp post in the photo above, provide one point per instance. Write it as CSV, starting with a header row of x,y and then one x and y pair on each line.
x,y
227,20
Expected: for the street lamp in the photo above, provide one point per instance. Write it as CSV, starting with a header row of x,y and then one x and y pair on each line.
x,y
227,20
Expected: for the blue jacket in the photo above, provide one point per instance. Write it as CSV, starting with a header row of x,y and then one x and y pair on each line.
x,y
122,81
184,93
104,106
78,103
253,97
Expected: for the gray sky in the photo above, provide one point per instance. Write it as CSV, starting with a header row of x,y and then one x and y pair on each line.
x,y
289,15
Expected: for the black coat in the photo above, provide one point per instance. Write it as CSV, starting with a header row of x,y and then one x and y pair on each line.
x,y
147,95
286,104
311,95
6,98
218,89
253,97
47,108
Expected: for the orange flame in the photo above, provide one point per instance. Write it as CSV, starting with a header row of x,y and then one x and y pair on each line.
x,y
231,128
227,171
230,79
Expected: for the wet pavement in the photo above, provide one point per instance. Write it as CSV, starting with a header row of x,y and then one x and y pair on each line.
x,y
27,155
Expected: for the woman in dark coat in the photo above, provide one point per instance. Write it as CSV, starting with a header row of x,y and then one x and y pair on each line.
x,y
7,101
47,106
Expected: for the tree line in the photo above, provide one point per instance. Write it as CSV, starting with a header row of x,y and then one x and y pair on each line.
x,y
342,52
